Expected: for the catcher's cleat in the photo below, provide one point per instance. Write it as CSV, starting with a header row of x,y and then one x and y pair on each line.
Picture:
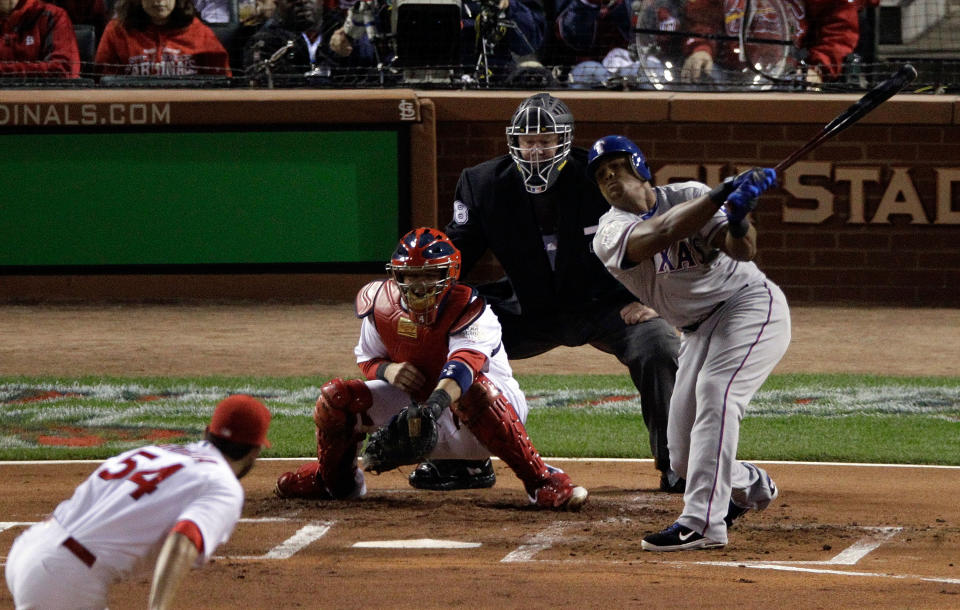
x,y
558,492
303,483
447,475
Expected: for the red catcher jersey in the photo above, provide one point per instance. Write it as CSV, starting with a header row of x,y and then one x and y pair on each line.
x,y
426,347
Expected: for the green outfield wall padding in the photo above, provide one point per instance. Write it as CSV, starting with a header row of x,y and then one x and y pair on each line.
x,y
199,197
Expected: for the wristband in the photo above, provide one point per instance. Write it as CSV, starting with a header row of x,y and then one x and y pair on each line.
x,y
459,372
739,229
381,371
718,195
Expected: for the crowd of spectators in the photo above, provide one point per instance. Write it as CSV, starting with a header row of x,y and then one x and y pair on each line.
x,y
531,43
160,38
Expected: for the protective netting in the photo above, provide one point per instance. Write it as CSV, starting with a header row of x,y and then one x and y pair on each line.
x,y
642,45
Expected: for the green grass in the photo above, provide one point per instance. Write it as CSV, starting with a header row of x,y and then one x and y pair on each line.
x,y
844,418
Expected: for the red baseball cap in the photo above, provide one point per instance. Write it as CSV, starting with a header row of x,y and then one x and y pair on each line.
x,y
241,419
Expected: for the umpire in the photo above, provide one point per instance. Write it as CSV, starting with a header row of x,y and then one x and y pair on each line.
x,y
537,210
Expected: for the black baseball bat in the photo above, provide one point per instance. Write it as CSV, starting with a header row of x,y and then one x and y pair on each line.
x,y
871,99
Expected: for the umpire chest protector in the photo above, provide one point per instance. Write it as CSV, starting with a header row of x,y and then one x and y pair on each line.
x,y
425,347
500,216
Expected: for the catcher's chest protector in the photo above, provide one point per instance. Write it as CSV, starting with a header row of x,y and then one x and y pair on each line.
x,y
425,347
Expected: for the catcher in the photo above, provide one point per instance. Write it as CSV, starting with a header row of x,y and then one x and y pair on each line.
x,y
438,386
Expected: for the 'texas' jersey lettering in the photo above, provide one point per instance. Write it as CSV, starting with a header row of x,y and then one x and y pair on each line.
x,y
684,254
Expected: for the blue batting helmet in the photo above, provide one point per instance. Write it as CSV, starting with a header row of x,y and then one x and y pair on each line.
x,y
609,146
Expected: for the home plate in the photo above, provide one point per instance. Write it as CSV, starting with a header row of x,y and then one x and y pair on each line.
x,y
419,543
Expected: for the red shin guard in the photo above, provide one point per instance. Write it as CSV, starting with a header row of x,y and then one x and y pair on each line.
x,y
491,418
338,442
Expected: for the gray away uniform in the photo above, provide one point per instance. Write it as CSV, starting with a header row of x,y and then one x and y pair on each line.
x,y
736,327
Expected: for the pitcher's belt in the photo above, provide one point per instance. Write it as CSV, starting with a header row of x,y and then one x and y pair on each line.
x,y
82,553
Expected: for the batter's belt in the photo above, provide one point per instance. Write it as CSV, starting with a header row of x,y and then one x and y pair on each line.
x,y
82,552
692,328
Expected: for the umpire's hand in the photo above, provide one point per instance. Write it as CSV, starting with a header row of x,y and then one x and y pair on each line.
x,y
636,312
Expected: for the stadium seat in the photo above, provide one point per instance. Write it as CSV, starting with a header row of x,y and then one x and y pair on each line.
x,y
87,45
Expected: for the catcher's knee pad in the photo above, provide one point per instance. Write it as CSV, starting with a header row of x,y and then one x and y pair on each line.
x,y
337,395
338,441
491,418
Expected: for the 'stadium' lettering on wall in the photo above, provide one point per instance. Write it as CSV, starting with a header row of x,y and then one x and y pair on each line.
x,y
813,187
52,115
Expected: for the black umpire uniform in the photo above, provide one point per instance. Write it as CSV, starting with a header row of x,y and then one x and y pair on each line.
x,y
571,300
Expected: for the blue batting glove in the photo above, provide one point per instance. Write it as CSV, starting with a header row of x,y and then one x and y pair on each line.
x,y
760,177
740,203
747,187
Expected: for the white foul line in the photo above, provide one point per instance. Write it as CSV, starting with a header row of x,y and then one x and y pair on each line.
x,y
853,553
847,557
542,541
785,568
859,549
292,545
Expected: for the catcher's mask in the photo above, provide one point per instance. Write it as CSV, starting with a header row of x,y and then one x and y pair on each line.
x,y
541,114
611,146
425,266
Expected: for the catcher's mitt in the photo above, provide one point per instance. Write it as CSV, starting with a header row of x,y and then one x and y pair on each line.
x,y
406,439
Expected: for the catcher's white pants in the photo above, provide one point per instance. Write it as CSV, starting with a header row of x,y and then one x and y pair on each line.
x,y
721,367
455,441
43,574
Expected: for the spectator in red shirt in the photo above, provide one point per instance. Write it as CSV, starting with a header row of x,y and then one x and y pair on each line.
x,y
37,41
160,38
825,31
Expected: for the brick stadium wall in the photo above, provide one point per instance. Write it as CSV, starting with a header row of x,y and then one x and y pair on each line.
x,y
862,219
871,217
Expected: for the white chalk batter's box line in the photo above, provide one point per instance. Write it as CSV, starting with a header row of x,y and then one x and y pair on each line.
x,y
555,534
875,537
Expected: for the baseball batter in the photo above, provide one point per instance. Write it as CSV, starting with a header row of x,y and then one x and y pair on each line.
x,y
685,250
427,339
175,503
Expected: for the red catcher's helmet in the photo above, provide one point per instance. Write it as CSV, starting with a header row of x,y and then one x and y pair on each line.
x,y
425,266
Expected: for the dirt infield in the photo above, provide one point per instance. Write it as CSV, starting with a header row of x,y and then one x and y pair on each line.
x,y
838,536
281,340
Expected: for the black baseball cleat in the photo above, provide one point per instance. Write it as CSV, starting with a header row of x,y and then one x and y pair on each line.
x,y
734,512
447,475
671,482
678,538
